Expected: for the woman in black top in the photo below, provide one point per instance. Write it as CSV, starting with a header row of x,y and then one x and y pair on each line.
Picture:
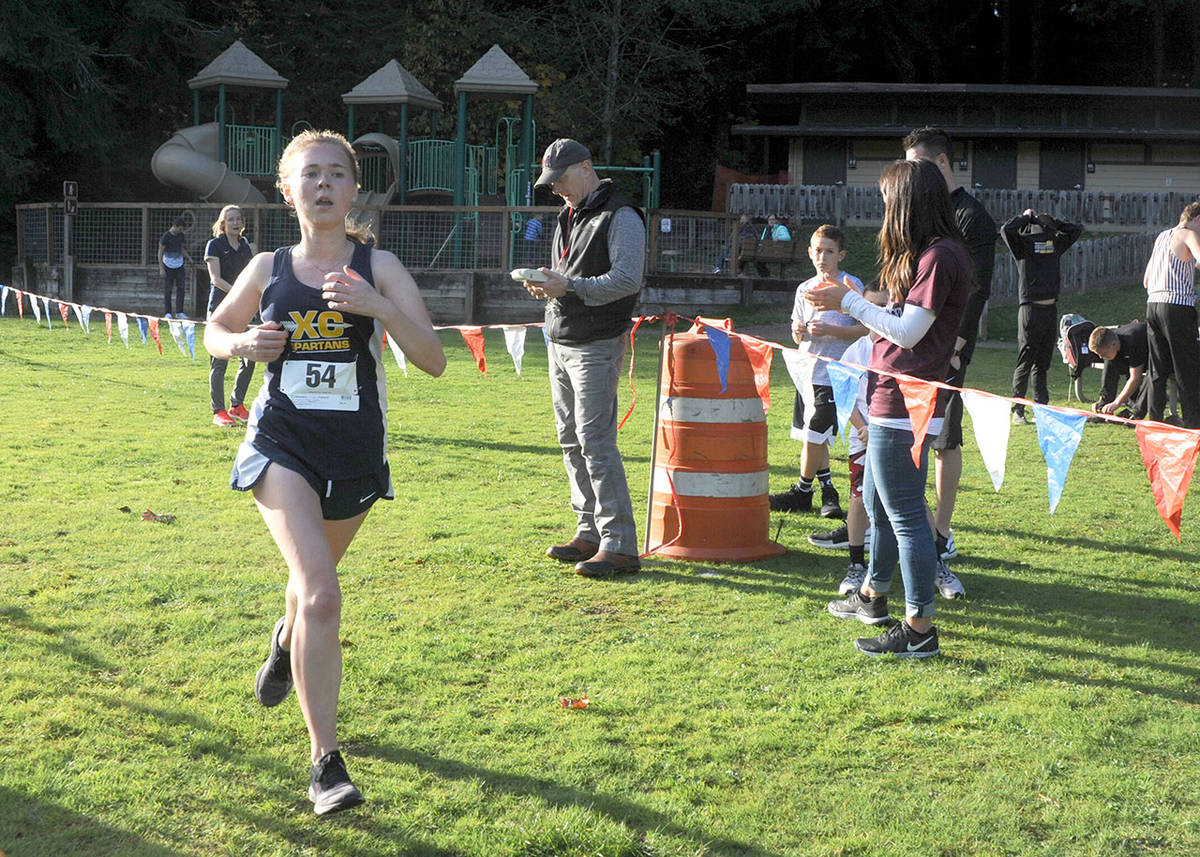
x,y
315,450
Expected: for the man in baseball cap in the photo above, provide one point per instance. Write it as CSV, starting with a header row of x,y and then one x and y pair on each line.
x,y
591,291
559,155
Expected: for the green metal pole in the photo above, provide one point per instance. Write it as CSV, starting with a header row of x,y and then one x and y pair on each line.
x,y
460,174
460,150
646,192
402,175
657,186
528,151
278,123
221,122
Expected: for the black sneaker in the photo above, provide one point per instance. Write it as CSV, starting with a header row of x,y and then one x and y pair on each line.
x,y
274,679
902,641
837,540
830,505
792,500
869,611
330,788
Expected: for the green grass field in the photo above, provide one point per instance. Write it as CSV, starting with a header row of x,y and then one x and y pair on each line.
x,y
729,712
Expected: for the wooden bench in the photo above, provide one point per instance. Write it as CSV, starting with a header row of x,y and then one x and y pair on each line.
x,y
768,252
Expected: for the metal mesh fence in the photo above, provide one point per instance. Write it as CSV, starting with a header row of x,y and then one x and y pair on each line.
x,y
33,233
690,242
107,236
531,238
445,238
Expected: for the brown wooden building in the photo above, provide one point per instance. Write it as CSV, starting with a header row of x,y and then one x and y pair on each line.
x,y
1091,138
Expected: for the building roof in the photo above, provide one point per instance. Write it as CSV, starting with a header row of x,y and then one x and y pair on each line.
x,y
237,65
864,109
392,83
835,87
495,73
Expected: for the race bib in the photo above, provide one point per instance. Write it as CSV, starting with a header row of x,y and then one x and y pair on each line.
x,y
320,386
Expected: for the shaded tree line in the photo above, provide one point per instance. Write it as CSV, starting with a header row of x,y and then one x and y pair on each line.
x,y
90,88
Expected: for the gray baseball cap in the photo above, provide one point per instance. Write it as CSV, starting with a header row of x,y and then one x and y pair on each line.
x,y
559,155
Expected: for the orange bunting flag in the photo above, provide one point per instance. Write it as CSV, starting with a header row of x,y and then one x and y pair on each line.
x,y
108,325
1170,457
919,397
154,333
473,336
20,302
760,355
63,311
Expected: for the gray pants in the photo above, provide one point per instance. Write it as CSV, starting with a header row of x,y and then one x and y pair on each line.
x,y
583,387
216,382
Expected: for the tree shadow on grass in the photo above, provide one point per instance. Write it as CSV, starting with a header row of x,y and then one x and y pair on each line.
x,y
72,372
1181,554
1068,623
808,583
400,440
30,825
618,809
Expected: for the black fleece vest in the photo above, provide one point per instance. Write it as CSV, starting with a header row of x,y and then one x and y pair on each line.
x,y
569,321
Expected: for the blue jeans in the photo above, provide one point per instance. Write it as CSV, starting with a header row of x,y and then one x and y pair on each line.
x,y
894,494
583,386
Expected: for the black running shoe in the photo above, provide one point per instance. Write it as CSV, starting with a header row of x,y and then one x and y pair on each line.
x,y
330,788
902,641
274,679
837,540
869,611
831,506
792,500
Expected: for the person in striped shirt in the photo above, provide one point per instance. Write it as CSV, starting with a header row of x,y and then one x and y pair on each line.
x,y
1170,282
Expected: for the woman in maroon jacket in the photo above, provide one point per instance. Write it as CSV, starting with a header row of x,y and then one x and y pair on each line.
x,y
927,273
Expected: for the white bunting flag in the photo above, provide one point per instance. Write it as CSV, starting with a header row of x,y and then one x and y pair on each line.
x,y
514,340
78,316
46,307
85,317
123,328
177,335
189,333
800,365
399,355
3,300
990,417
37,313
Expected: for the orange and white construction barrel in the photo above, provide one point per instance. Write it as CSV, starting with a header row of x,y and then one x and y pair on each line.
x,y
709,489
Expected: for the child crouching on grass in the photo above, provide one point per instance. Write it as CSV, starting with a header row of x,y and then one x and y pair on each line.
x,y
825,333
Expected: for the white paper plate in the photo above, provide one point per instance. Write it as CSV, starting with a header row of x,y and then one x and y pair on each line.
x,y
532,275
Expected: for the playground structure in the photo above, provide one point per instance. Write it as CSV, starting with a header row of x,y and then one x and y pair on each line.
x,y
222,160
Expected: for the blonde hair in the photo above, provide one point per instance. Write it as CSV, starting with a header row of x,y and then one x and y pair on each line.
x,y
219,224
1190,212
1103,339
354,229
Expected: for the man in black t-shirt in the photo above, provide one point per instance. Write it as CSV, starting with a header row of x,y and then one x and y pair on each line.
x,y
1126,351
979,234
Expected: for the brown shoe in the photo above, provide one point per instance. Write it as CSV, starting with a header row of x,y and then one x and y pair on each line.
x,y
576,550
609,564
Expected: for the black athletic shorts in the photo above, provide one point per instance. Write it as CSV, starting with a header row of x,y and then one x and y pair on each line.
x,y
822,425
340,498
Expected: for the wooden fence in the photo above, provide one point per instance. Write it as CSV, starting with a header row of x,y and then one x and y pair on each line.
x,y
850,206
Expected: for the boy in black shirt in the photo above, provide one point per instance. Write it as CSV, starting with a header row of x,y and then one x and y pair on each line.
x,y
1126,351
1037,242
